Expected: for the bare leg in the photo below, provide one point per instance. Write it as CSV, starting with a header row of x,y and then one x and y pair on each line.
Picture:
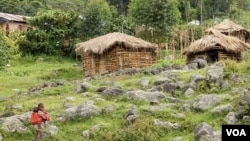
x,y
38,133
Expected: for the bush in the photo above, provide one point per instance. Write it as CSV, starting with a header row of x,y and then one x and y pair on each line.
x,y
8,50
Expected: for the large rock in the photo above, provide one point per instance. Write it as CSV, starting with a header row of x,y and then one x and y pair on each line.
x,y
245,98
192,66
69,113
169,87
222,109
84,110
214,74
216,136
145,96
24,117
202,129
204,102
13,124
160,81
171,75
195,78
230,118
167,124
112,92
87,109
200,62
49,131
144,82
189,92
82,88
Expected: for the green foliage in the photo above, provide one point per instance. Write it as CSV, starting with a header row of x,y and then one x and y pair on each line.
x,y
21,7
158,17
188,12
123,24
67,5
51,28
30,71
237,67
8,50
121,5
143,129
96,19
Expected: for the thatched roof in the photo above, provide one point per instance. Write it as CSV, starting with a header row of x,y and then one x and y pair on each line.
x,y
215,40
228,26
101,44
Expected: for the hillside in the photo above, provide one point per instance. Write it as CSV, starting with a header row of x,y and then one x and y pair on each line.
x,y
166,102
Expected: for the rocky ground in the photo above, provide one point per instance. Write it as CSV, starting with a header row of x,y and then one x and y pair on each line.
x,y
158,89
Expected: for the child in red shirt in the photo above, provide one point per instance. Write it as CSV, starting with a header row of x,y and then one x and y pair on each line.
x,y
36,120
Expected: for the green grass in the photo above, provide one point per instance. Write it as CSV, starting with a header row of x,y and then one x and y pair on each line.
x,y
34,71
31,72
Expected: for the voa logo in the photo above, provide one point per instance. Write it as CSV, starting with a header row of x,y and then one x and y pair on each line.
x,y
236,132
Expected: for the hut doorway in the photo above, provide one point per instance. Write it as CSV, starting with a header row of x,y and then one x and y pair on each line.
x,y
212,56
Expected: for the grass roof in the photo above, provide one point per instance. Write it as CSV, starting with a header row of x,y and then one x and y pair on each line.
x,y
101,44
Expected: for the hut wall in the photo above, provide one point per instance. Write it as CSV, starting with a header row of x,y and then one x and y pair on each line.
x,y
135,58
221,56
14,26
242,35
117,58
224,55
111,60
88,61
102,64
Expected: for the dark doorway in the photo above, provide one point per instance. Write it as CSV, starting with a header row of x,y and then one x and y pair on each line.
x,y
212,56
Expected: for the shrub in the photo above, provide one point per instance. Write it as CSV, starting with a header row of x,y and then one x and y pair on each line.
x,y
8,50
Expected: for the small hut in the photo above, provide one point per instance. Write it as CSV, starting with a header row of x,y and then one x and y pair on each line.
x,y
11,22
230,28
215,46
115,51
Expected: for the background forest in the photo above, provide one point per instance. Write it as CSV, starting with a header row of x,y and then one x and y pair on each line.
x,y
158,21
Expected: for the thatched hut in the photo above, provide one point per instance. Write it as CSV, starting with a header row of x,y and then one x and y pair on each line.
x,y
115,51
215,46
230,28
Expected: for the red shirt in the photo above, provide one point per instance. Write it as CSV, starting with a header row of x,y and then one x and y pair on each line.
x,y
35,118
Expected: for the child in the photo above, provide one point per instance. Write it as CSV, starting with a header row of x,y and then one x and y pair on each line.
x,y
43,113
36,120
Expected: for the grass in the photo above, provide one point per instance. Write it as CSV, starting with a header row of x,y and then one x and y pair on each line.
x,y
33,71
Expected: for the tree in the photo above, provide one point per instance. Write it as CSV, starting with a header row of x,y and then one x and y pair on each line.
x,y
22,7
188,13
157,16
51,28
96,19
67,5
121,5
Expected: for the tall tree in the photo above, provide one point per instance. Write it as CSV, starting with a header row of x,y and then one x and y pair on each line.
x,y
159,17
121,5
96,19
67,5
188,13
